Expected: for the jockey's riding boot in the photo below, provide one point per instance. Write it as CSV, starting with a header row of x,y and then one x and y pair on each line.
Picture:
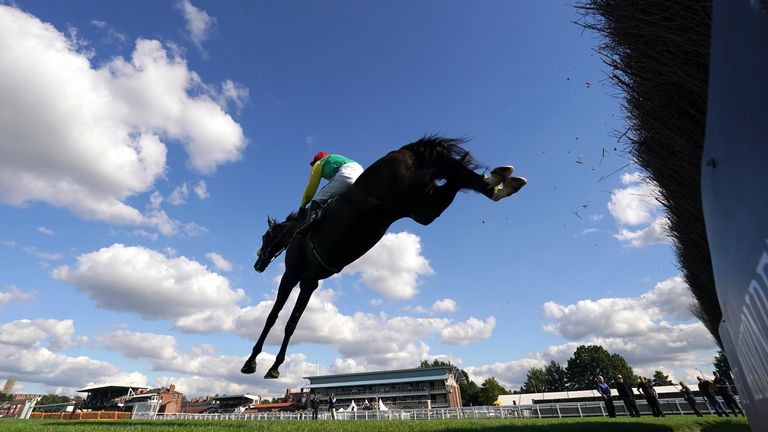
x,y
312,213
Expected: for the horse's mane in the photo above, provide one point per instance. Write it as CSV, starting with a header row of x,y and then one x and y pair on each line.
x,y
431,148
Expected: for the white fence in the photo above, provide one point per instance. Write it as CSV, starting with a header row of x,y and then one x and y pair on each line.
x,y
676,406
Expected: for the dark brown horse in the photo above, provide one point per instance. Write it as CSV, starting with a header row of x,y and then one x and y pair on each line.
x,y
418,181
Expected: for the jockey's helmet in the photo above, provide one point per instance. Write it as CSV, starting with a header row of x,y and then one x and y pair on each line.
x,y
317,157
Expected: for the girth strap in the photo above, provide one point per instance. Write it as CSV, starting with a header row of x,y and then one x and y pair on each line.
x,y
313,248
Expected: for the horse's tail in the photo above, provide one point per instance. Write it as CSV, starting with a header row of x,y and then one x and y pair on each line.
x,y
432,149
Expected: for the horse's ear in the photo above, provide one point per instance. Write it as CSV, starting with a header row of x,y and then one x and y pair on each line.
x,y
270,222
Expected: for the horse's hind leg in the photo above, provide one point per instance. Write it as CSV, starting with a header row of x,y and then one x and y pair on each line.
x,y
283,292
307,287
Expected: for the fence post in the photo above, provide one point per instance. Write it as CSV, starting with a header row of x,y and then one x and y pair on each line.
x,y
538,410
558,411
581,414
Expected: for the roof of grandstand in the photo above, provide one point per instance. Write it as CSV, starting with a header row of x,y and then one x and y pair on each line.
x,y
106,386
386,377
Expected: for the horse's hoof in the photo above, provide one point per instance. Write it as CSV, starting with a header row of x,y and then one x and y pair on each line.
x,y
511,185
498,175
249,367
272,374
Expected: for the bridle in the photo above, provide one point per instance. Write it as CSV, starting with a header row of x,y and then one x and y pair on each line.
x,y
278,240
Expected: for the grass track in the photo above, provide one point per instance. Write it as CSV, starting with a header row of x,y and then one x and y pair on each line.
x,y
625,424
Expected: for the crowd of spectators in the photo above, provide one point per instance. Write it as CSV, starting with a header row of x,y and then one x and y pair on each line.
x,y
708,389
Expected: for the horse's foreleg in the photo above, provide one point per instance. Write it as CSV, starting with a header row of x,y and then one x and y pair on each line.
x,y
307,288
498,185
283,292
425,211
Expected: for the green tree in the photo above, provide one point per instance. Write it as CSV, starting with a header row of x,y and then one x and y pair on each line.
x,y
535,381
5,397
52,399
589,361
435,363
470,394
661,379
557,377
721,364
490,391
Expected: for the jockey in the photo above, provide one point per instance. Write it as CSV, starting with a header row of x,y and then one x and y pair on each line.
x,y
341,172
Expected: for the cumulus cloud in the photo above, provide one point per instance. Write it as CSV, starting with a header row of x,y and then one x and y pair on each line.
x,y
201,369
636,204
509,374
179,195
468,331
219,261
155,286
392,268
444,305
377,340
68,113
13,293
198,22
31,333
28,350
201,190
624,316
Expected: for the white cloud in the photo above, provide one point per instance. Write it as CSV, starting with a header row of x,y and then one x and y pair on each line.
x,y
44,230
202,369
201,190
397,342
392,267
624,316
46,256
634,205
12,293
657,232
139,345
510,374
37,364
198,22
179,195
30,333
468,331
444,305
155,286
219,261
68,114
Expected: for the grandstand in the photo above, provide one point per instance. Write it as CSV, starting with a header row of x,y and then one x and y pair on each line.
x,y
108,397
434,387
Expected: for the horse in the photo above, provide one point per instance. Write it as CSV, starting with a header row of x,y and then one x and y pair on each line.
x,y
419,181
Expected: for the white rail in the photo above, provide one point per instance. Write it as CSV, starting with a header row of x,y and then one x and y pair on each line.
x,y
676,406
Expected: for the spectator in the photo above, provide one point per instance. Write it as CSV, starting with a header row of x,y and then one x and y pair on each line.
x,y
605,393
626,394
315,405
723,388
332,406
688,396
646,388
706,387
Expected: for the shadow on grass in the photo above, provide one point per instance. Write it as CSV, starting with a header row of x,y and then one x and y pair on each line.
x,y
608,426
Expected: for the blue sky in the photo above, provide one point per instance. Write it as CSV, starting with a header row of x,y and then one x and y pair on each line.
x,y
143,146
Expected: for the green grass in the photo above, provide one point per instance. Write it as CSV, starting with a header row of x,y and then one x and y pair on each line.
x,y
625,424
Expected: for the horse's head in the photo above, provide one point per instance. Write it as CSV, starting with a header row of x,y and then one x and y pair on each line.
x,y
275,241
